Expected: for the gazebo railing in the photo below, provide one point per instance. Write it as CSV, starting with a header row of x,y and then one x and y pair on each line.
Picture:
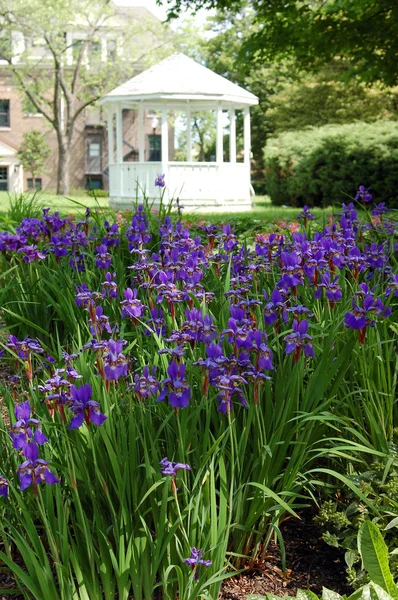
x,y
217,182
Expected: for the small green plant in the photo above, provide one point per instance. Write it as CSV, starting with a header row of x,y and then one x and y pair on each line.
x,y
341,520
374,554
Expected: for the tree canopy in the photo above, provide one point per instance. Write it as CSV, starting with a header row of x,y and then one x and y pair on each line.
x,y
316,31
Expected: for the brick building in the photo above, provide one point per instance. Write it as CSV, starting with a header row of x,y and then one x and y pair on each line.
x,y
88,167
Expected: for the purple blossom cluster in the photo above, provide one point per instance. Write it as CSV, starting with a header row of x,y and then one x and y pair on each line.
x,y
27,435
273,289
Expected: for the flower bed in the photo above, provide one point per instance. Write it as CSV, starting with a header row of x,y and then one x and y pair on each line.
x,y
175,392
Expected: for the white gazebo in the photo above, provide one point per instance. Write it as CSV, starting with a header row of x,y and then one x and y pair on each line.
x,y
178,83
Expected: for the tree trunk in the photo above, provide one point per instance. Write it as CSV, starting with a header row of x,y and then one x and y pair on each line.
x,y
63,165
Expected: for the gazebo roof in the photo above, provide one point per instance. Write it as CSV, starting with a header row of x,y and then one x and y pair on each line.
x,y
180,78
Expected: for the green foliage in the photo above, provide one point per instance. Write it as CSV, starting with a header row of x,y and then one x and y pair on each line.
x,y
222,55
374,554
114,527
321,166
33,152
315,32
343,519
325,98
371,590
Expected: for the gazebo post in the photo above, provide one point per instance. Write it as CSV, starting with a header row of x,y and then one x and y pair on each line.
x,y
246,135
189,137
232,136
219,140
165,141
111,140
119,146
119,134
141,134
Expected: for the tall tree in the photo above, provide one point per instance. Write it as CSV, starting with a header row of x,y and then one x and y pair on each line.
x,y
323,98
65,54
229,30
316,31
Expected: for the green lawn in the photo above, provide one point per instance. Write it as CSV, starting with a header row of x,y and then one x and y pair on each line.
x,y
70,205
75,204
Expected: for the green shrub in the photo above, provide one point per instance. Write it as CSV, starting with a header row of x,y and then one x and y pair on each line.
x,y
321,166
98,193
260,187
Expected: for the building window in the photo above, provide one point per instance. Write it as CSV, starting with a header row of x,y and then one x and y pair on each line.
x,y
4,179
111,50
155,148
29,108
94,51
76,49
94,154
4,113
94,182
38,184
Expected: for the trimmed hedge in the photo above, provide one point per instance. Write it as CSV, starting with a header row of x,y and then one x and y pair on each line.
x,y
321,166
98,193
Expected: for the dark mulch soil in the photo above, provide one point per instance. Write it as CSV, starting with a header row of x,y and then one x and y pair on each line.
x,y
311,565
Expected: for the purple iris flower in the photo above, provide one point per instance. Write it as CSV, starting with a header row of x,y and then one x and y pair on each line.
x,y
238,332
77,263
84,408
159,181
21,432
146,385
103,259
195,560
306,215
363,194
112,235
3,486
349,212
331,286
109,285
115,363
361,317
85,296
99,322
299,340
259,346
171,468
198,327
228,386
25,347
30,253
156,322
34,470
392,286
131,307
291,271
138,233
274,308
380,209
176,387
